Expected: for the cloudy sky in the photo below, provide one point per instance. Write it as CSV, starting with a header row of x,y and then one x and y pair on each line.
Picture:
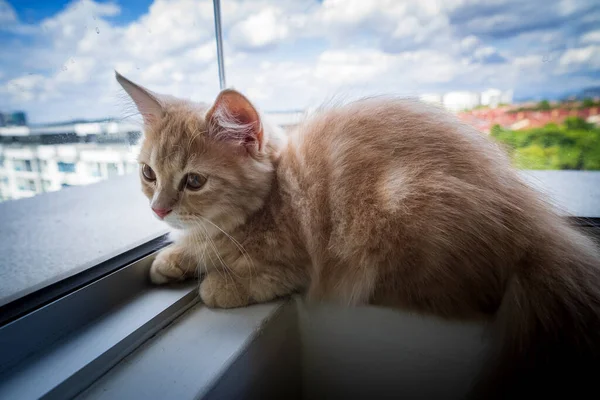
x,y
58,59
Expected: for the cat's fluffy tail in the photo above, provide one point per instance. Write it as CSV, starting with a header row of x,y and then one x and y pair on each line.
x,y
548,325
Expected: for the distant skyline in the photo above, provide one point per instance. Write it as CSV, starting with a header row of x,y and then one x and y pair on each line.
x,y
58,60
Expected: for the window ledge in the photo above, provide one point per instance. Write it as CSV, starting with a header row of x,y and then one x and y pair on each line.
x,y
251,352
67,366
63,348
573,193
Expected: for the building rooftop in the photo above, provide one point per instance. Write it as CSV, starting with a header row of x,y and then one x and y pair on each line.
x,y
114,127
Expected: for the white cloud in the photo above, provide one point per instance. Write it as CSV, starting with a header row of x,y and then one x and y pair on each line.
x,y
169,26
287,53
532,61
7,14
9,22
260,30
591,37
580,58
166,49
470,43
352,67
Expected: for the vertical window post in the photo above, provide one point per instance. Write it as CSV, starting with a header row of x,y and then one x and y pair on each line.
x,y
219,38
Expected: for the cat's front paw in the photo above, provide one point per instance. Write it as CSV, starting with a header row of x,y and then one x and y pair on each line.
x,y
165,268
218,291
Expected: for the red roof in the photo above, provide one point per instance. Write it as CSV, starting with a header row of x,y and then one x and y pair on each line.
x,y
484,119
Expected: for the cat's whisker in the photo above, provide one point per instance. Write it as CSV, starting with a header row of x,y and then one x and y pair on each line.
x,y
226,269
252,267
201,264
223,263
203,242
236,243
215,267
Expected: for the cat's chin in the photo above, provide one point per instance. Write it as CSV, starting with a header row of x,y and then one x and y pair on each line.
x,y
177,226
175,223
176,234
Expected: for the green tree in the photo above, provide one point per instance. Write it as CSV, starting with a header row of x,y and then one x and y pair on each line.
x,y
573,145
496,130
587,102
573,123
544,105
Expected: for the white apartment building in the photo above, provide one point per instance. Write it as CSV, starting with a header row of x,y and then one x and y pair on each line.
x,y
31,169
459,101
47,158
494,97
465,100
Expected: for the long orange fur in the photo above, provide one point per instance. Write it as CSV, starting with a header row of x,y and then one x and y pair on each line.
x,y
382,201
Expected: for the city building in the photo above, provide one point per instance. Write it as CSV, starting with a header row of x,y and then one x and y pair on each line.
x,y
46,158
458,101
494,97
17,118
465,100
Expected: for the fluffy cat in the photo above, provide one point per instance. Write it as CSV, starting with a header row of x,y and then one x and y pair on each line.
x,y
383,201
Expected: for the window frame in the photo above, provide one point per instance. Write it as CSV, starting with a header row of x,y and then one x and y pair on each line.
x,y
131,311
31,302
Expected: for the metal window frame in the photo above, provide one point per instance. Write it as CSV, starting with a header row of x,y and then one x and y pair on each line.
x,y
86,332
29,303
219,42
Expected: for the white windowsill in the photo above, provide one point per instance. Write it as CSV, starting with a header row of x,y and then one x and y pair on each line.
x,y
190,358
126,318
63,367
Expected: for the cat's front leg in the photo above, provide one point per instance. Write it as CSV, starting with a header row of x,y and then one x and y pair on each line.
x,y
172,264
223,290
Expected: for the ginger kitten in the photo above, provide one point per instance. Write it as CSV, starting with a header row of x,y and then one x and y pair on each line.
x,y
383,201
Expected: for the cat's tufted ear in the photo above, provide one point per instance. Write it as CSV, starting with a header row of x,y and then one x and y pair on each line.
x,y
234,119
146,102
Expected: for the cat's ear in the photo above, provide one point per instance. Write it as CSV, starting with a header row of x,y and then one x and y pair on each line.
x,y
146,102
234,119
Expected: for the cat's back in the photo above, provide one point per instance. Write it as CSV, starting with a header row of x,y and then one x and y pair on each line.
x,y
382,180
371,136
400,169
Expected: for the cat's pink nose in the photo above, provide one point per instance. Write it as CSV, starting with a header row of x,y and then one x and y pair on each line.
x,y
161,212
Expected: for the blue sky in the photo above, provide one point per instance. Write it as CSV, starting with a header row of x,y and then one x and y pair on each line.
x,y
58,57
35,11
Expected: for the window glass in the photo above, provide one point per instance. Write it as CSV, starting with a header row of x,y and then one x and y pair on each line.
x,y
526,73
65,126
112,169
26,185
68,167
95,169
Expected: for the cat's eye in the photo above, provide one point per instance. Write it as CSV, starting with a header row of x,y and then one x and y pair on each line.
x,y
148,173
194,181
